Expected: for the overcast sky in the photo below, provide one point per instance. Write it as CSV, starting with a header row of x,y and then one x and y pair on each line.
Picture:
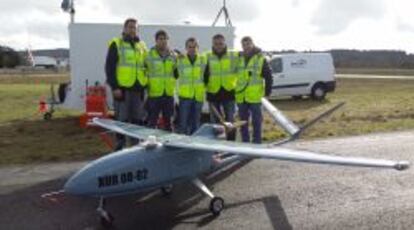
x,y
274,24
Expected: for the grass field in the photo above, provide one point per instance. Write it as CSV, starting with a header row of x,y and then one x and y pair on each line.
x,y
372,106
26,138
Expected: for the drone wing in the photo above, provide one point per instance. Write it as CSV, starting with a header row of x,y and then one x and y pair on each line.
x,y
264,151
136,131
250,150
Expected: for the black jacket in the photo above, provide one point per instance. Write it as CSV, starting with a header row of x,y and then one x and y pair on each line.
x,y
111,63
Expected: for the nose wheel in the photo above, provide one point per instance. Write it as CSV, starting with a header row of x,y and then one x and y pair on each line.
x,y
105,218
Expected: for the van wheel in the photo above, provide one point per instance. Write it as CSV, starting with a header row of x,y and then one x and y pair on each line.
x,y
297,97
318,92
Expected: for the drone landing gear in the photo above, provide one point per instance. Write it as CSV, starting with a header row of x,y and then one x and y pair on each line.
x,y
105,218
216,203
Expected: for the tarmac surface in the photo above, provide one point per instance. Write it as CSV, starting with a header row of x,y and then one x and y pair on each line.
x,y
263,194
370,76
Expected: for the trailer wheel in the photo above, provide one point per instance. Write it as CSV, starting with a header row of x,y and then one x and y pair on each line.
x,y
47,116
62,92
318,92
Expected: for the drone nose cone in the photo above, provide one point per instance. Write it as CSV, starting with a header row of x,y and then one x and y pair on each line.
x,y
72,186
402,165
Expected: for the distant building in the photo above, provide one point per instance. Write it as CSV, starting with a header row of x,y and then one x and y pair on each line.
x,y
51,58
45,61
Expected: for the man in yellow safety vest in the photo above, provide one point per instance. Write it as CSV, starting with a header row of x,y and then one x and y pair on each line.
x,y
162,74
254,82
125,74
191,88
221,78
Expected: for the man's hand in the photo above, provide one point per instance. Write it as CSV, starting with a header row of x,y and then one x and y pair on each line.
x,y
117,93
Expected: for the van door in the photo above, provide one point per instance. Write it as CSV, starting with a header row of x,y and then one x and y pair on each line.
x,y
292,79
284,80
276,64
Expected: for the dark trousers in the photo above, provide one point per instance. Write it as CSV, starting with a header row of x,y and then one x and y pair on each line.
x,y
130,109
163,105
255,110
190,115
228,109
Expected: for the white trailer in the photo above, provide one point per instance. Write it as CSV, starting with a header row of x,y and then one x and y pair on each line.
x,y
45,62
89,43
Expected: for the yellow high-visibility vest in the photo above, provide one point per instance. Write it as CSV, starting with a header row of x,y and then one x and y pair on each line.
x,y
130,66
223,71
160,74
250,84
191,77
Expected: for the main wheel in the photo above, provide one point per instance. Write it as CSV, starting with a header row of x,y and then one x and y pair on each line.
x,y
216,205
318,92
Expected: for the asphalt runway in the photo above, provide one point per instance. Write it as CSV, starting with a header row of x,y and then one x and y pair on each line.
x,y
370,76
262,194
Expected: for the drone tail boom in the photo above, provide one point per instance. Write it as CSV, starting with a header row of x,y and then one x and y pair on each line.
x,y
290,127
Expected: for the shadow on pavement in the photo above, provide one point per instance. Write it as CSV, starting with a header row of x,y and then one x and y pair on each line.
x,y
25,209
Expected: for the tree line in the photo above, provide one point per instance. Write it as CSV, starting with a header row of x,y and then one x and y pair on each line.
x,y
387,59
9,58
343,58
372,59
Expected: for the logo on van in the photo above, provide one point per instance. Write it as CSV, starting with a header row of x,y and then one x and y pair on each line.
x,y
299,63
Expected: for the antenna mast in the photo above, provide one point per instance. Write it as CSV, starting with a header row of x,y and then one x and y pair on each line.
x,y
68,6
224,11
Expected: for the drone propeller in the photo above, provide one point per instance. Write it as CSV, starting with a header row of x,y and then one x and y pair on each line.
x,y
217,114
228,126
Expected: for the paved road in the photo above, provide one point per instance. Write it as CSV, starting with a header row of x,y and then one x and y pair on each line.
x,y
263,194
369,76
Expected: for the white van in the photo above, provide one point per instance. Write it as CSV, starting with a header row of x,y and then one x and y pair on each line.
x,y
302,74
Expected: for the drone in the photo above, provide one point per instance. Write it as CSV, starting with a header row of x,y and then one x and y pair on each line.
x,y
164,158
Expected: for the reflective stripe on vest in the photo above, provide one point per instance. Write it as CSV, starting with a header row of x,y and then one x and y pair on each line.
x,y
160,74
223,71
250,84
130,65
191,78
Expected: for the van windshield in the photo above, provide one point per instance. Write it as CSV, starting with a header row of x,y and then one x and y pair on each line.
x,y
276,65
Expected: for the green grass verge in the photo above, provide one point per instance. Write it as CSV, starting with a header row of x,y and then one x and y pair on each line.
x,y
372,105
26,138
35,141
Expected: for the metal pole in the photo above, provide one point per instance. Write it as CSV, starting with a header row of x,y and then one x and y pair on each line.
x,y
72,15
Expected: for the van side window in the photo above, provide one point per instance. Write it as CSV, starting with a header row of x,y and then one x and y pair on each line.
x,y
276,65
